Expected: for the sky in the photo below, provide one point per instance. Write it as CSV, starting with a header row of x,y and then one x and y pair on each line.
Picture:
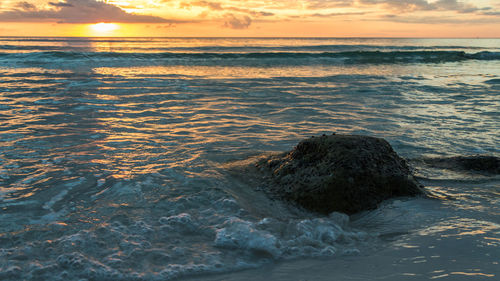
x,y
254,18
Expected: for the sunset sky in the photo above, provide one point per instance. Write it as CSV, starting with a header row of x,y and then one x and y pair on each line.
x,y
281,18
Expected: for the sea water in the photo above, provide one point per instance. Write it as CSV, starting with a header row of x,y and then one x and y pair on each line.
x,y
118,156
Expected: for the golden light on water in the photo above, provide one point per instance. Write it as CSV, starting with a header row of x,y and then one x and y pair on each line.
x,y
104,28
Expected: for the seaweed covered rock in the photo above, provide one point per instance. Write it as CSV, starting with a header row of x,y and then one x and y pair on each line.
x,y
342,173
477,163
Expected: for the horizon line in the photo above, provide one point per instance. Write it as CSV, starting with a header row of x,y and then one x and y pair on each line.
x,y
255,37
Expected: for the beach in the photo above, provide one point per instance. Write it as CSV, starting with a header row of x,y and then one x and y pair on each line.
x,y
117,157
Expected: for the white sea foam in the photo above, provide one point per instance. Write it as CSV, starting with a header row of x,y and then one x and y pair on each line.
x,y
239,234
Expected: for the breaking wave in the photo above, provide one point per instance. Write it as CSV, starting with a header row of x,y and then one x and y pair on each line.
x,y
247,59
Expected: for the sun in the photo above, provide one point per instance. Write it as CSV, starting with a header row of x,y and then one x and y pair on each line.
x,y
104,27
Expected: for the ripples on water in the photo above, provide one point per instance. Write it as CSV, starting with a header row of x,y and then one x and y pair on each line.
x,y
117,168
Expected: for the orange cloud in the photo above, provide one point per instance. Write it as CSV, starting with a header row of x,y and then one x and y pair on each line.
x,y
77,11
258,17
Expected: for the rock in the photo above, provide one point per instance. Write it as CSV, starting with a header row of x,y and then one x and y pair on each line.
x,y
476,163
339,173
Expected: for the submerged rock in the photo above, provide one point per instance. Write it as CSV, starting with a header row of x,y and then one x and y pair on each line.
x,y
477,163
342,173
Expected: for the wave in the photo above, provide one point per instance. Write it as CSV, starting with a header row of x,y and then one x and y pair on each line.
x,y
245,59
243,49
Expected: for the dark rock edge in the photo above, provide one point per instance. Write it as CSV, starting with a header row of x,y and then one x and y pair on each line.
x,y
339,173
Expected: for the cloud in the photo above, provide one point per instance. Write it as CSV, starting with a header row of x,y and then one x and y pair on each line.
x,y
322,4
25,6
425,5
400,5
241,14
216,6
329,15
60,4
438,20
491,13
237,23
78,11
454,5
235,17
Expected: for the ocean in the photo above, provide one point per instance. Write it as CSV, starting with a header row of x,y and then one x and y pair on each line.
x,y
119,157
